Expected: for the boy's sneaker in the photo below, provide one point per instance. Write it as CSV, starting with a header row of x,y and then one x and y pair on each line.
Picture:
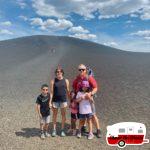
x,y
79,134
42,136
47,134
62,133
54,133
99,133
90,136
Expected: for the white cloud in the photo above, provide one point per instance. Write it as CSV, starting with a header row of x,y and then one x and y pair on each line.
x,y
78,29
5,31
84,36
23,17
36,21
133,15
143,33
6,23
106,8
60,24
111,44
21,3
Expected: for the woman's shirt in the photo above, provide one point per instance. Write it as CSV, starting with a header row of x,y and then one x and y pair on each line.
x,y
59,90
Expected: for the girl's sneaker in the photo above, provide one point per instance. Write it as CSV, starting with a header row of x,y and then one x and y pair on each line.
x,y
90,136
79,134
99,133
42,136
74,132
54,133
47,134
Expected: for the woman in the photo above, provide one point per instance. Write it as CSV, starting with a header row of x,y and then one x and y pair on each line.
x,y
59,94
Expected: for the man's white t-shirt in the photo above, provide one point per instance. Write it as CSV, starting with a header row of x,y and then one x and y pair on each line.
x,y
84,105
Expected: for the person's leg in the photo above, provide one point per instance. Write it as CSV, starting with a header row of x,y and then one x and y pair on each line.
x,y
95,121
42,124
90,126
55,111
81,123
47,126
63,116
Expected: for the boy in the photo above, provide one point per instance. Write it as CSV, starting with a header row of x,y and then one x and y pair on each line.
x,y
43,105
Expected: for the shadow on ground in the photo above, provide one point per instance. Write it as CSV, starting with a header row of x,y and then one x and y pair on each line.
x,y
35,132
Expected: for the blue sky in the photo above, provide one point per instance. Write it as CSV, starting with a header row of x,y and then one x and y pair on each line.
x,y
123,24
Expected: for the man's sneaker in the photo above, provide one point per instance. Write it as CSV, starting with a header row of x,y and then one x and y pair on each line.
x,y
79,134
42,136
47,134
90,136
54,133
99,133
62,133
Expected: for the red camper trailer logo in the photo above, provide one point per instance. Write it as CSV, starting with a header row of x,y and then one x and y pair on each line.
x,y
126,133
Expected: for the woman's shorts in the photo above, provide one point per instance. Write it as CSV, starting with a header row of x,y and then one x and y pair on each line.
x,y
59,104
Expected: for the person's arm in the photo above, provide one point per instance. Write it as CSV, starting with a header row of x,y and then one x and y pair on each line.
x,y
68,88
38,110
93,83
51,91
79,98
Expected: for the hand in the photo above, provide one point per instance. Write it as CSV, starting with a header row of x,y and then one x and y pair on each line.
x,y
88,96
50,105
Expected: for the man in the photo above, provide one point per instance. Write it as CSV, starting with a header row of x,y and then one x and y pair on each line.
x,y
93,85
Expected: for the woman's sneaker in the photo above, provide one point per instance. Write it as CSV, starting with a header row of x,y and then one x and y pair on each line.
x,y
90,136
54,133
47,134
42,136
62,133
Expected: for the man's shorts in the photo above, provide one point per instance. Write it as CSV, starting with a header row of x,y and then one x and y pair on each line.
x,y
85,116
45,120
75,116
59,104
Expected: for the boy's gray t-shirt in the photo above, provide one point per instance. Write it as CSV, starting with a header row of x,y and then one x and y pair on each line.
x,y
43,101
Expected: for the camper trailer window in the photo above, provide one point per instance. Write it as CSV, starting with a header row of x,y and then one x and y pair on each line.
x,y
140,131
121,130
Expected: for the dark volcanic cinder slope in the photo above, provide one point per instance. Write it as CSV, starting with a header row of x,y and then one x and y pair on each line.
x,y
26,63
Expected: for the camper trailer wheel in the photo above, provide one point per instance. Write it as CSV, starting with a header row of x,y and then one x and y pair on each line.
x,y
121,144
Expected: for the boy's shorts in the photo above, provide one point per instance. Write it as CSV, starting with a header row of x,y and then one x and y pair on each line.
x,y
59,104
45,120
85,116
75,116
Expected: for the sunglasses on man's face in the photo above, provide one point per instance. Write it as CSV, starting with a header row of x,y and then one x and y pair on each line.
x,y
58,72
81,69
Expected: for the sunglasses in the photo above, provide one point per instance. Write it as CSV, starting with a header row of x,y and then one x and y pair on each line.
x,y
58,71
45,89
81,69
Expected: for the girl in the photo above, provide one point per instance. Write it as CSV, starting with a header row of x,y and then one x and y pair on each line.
x,y
85,110
74,112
